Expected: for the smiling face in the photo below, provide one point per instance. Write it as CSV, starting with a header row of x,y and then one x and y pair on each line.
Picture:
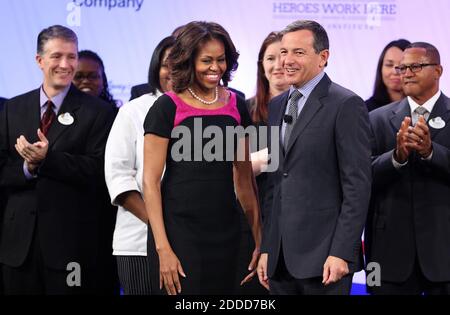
x,y
88,77
422,85
210,65
391,59
58,62
301,63
273,68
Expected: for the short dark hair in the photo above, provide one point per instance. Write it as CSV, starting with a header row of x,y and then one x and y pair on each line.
x,y
52,32
155,63
105,94
431,51
321,41
380,92
182,56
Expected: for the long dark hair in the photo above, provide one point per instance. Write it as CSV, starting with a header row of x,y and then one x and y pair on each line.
x,y
104,95
182,56
155,63
380,92
260,111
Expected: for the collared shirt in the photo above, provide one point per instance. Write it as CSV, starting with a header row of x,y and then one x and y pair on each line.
x,y
306,90
428,105
57,101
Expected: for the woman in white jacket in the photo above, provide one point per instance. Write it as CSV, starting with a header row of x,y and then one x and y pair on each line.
x,y
123,173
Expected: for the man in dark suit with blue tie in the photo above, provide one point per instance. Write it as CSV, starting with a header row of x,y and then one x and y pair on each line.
x,y
408,228
320,193
52,143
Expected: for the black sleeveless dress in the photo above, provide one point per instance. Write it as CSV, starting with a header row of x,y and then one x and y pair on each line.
x,y
199,203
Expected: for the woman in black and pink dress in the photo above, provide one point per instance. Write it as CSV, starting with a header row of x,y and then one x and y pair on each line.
x,y
194,220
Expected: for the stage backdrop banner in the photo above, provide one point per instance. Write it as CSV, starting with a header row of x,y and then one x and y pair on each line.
x,y
125,32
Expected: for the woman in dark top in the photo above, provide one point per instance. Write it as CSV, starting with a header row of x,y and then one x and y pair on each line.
x,y
193,215
270,83
388,87
90,77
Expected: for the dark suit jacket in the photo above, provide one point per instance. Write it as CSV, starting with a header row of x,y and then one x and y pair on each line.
x,y
139,90
61,202
373,104
410,207
2,100
319,195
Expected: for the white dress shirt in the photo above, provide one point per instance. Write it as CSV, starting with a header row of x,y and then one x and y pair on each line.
x,y
124,170
428,105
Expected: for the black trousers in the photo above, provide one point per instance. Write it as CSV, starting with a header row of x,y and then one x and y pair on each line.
x,y
34,278
134,275
283,283
416,284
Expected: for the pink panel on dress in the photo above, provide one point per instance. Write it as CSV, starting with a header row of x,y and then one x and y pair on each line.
x,y
185,111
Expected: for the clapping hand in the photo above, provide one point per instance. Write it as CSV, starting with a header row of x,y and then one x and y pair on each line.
x,y
419,138
33,154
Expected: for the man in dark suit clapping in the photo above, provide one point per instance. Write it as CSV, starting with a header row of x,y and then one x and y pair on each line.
x,y
408,229
52,144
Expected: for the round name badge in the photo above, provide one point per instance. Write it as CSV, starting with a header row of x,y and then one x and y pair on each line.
x,y
437,123
65,119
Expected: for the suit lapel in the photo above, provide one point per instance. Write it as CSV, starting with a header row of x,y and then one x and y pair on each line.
x,y
403,109
70,105
279,118
311,107
283,104
441,109
32,113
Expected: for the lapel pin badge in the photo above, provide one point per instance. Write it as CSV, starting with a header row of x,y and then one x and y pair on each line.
x,y
65,119
437,123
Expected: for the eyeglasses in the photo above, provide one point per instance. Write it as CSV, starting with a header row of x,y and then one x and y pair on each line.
x,y
91,76
414,67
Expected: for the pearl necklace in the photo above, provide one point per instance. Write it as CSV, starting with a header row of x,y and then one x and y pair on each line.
x,y
202,100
